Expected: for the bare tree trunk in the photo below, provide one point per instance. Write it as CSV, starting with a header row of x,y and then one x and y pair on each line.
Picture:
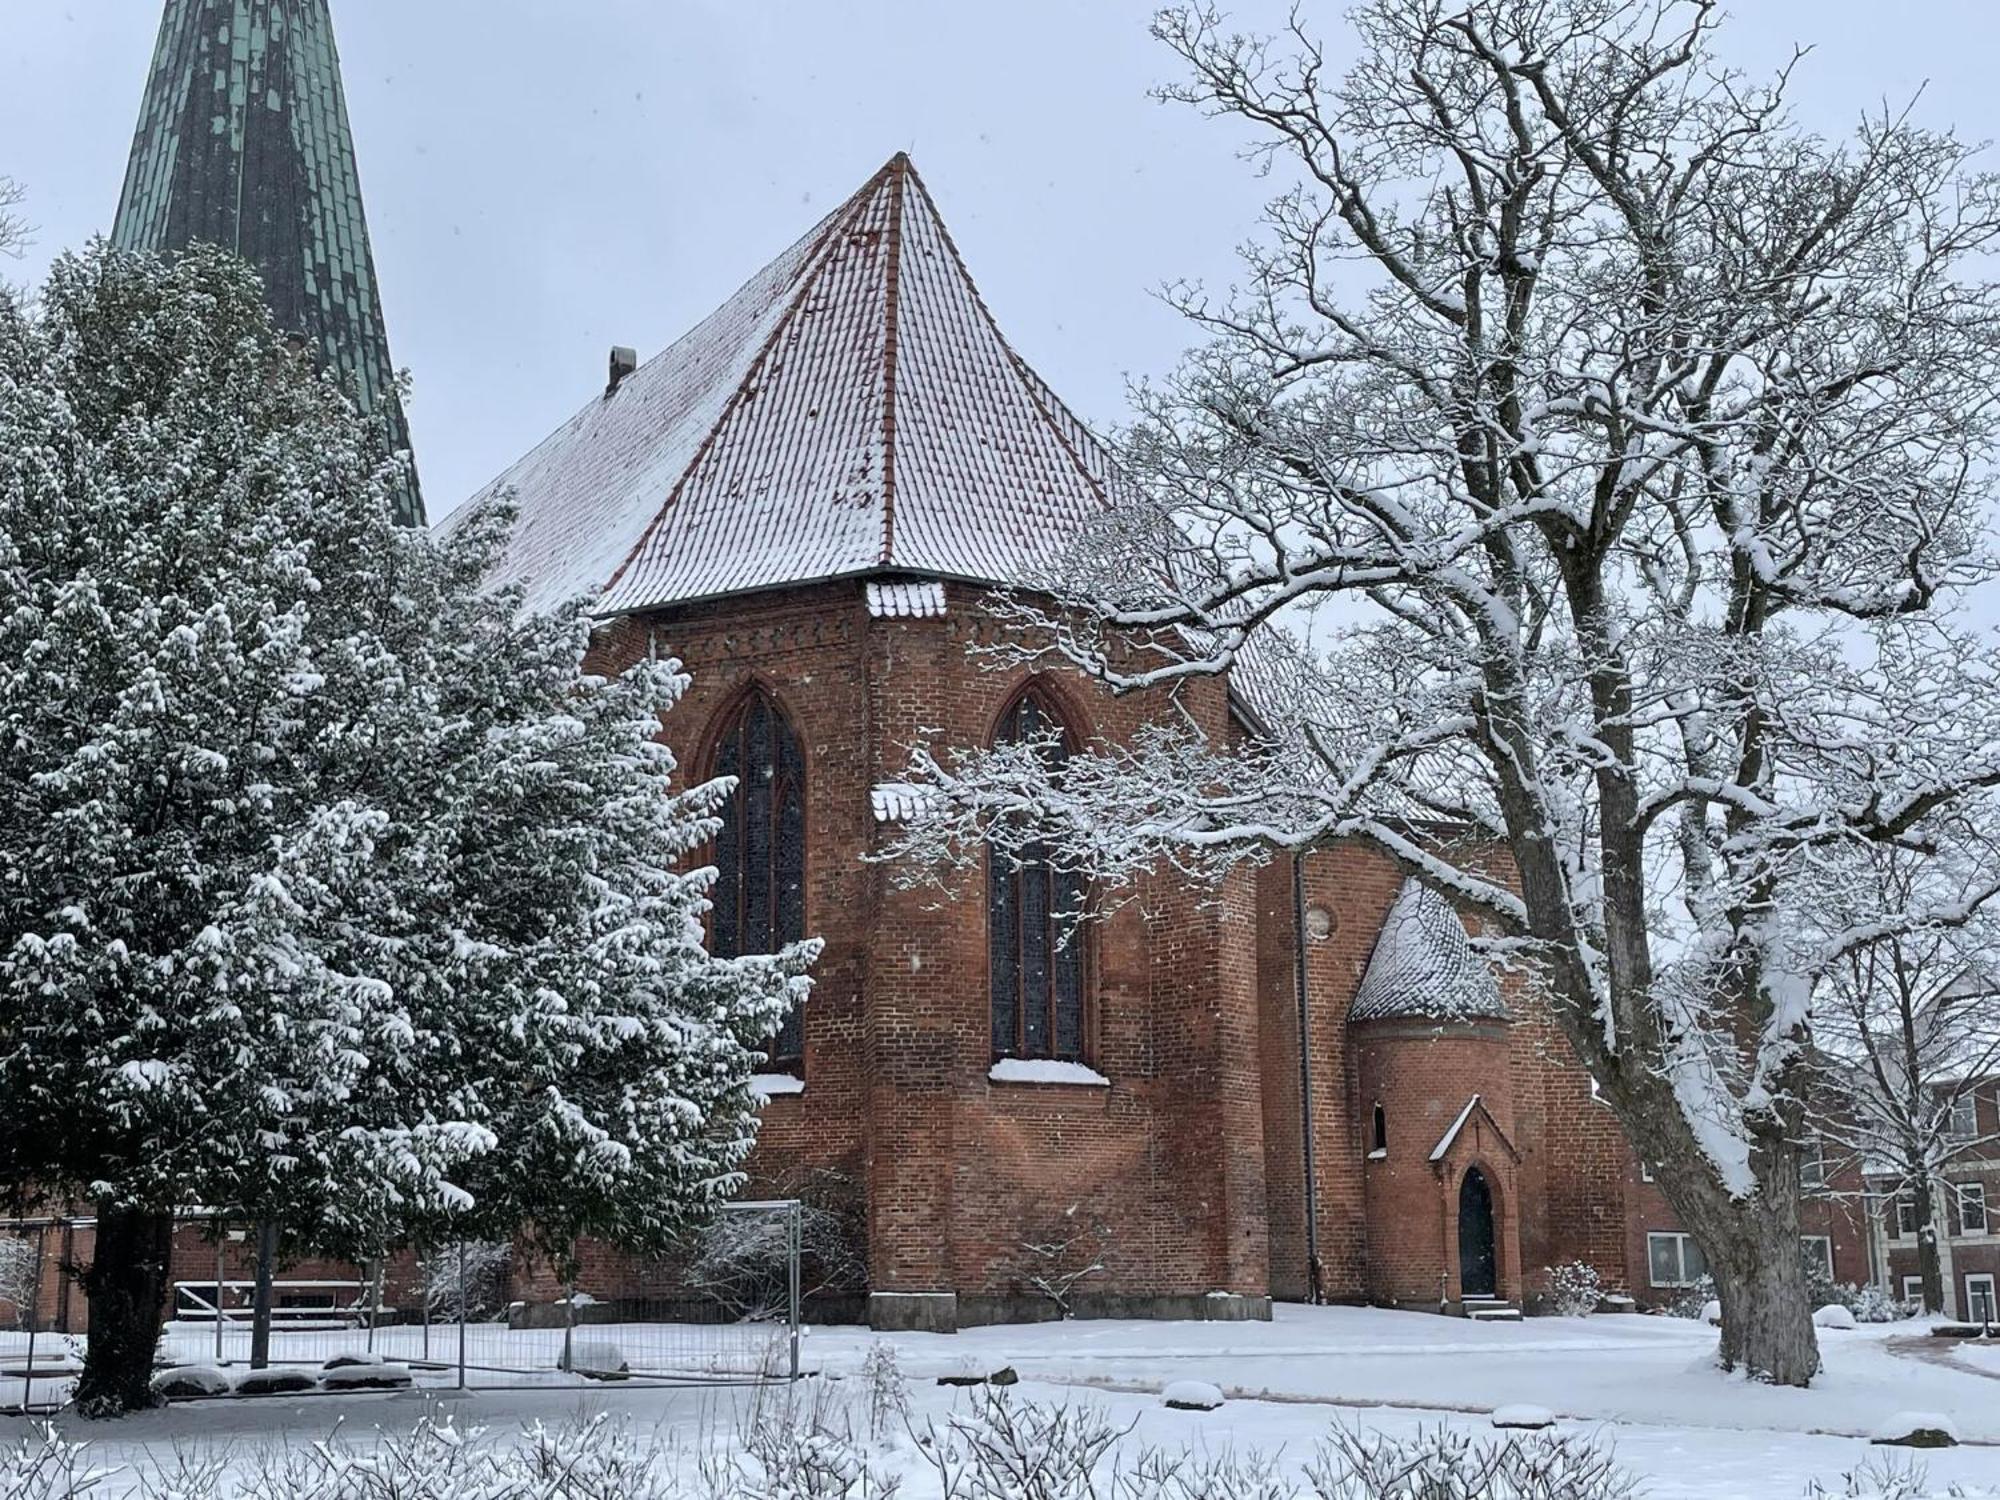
x,y
260,1297
127,1289
1753,1254
1929,1267
1767,1328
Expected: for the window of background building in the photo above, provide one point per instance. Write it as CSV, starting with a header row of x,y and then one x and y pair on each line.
x,y
1674,1260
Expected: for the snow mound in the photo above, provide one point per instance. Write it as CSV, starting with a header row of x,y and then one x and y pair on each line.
x,y
186,1382
274,1382
1833,1315
1917,1429
351,1357
1711,1313
368,1377
600,1359
1192,1395
1525,1417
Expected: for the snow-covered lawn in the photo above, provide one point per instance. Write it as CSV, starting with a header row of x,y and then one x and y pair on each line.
x,y
1647,1385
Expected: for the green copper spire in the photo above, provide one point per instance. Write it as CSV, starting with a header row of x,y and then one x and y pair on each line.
x,y
243,142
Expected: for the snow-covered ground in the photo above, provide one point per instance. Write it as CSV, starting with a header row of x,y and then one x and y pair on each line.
x,y
1648,1385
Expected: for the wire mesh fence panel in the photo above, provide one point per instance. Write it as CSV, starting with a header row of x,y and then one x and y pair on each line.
x,y
725,1309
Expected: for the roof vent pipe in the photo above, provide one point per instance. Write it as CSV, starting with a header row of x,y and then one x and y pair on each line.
x,y
623,362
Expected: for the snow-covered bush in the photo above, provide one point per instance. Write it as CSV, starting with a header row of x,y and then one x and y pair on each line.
x,y
1691,1300
1356,1463
888,1391
1575,1289
1073,1250
467,1280
18,1260
1000,1448
1885,1477
797,1449
41,1466
1873,1304
743,1260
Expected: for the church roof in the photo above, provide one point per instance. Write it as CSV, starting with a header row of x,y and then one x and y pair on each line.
x,y
1423,966
852,410
243,142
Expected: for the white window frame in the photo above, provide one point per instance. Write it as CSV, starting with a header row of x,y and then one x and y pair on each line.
x,y
1964,1122
1905,1203
1913,1288
1980,1287
1825,1242
1812,1165
1971,1193
1645,1172
1682,1244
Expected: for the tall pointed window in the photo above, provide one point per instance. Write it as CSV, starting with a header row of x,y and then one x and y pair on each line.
x,y
1033,923
760,852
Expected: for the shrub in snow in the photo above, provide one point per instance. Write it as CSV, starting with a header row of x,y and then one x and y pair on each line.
x,y
1575,1289
1872,1304
800,1449
467,1279
19,1261
1833,1315
1192,1395
1000,1448
1363,1464
368,1377
1523,1417
1054,1264
1693,1301
188,1382
39,1465
599,1358
1885,1477
1917,1429
888,1392
742,1260
278,1380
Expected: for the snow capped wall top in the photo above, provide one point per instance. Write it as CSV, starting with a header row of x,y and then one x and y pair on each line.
x,y
1423,966
852,408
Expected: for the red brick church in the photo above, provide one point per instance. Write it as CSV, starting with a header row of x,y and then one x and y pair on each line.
x,y
807,500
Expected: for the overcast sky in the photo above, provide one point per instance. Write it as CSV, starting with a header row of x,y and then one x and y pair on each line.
x,y
546,178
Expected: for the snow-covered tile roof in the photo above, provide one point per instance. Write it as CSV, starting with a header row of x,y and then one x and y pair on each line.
x,y
906,601
852,409
1423,966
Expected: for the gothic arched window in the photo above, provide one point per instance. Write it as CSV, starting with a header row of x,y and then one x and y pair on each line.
x,y
1033,922
760,851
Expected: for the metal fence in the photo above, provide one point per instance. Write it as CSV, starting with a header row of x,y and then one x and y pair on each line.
x,y
725,1310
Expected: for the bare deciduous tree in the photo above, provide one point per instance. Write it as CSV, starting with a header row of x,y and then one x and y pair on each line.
x,y
1618,448
1910,1026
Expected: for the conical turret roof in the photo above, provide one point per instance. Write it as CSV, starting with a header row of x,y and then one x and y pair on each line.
x,y
243,142
852,410
1423,966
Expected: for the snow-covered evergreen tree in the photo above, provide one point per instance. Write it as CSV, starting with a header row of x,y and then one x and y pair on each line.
x,y
331,888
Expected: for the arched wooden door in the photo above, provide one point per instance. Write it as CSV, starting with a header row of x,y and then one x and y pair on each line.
x,y
1477,1276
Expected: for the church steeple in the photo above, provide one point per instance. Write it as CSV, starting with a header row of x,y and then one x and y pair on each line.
x,y
243,141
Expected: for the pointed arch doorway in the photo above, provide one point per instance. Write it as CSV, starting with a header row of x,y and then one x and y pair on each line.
x,y
1477,1264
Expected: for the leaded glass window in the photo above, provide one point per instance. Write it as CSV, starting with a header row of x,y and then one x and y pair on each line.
x,y
760,851
1034,914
